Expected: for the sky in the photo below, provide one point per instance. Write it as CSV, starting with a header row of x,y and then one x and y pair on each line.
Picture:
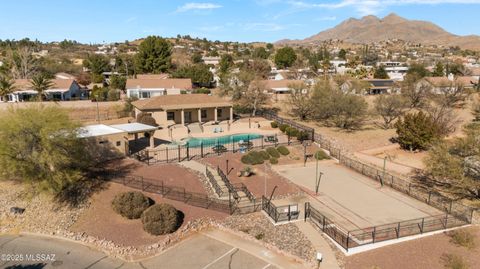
x,y
94,21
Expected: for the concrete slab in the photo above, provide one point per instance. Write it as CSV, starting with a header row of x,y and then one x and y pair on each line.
x,y
353,200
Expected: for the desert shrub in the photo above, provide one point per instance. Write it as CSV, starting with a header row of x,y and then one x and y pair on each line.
x,y
273,160
264,155
274,124
161,219
463,238
283,150
417,131
302,135
130,204
291,131
257,157
246,159
273,152
452,261
259,236
253,158
283,127
321,155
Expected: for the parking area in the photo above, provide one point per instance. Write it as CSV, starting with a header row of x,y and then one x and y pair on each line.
x,y
350,199
213,249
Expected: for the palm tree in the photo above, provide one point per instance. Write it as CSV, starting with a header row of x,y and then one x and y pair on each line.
x,y
41,83
7,86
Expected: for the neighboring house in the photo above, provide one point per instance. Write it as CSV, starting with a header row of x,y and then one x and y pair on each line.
x,y
169,110
152,76
395,70
281,86
211,60
444,84
61,90
380,86
63,75
147,88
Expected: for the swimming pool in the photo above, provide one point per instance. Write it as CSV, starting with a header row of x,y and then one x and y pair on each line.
x,y
195,142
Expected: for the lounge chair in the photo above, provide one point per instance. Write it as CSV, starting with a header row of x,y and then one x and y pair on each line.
x,y
271,139
219,149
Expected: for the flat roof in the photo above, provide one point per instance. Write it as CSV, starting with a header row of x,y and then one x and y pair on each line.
x,y
181,101
97,130
134,127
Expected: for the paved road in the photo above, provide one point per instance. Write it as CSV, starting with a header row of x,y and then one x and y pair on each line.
x,y
200,251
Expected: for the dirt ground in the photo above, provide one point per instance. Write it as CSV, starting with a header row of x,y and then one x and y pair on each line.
x,y
425,253
171,174
255,183
101,221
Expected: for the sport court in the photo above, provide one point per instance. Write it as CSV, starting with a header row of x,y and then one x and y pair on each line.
x,y
352,200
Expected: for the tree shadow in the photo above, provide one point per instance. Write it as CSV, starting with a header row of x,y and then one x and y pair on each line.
x,y
180,219
106,163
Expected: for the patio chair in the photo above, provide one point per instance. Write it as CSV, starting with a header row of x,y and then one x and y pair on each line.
x,y
219,149
271,139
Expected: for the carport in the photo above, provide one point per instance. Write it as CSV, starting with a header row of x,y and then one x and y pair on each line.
x,y
136,128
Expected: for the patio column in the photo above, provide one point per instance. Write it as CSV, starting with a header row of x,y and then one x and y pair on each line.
x,y
200,115
231,114
215,115
182,116
152,140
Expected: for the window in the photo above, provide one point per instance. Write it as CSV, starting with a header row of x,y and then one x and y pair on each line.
x,y
219,113
145,94
204,114
101,142
170,115
119,143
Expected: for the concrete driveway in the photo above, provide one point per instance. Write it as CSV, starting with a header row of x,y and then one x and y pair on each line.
x,y
210,249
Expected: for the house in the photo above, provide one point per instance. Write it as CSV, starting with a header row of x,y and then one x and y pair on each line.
x,y
169,110
395,70
281,86
61,90
152,76
211,60
380,86
444,84
63,75
146,88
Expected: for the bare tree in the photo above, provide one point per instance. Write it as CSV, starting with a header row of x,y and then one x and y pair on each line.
x,y
22,62
444,117
255,96
300,101
451,94
415,93
390,108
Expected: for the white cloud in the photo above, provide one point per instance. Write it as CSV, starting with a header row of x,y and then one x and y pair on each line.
x,y
198,6
365,7
261,26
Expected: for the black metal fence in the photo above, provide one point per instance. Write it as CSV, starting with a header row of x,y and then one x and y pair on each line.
x,y
280,213
179,153
272,116
180,194
434,199
355,238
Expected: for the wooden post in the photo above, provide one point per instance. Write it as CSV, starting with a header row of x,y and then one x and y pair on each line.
x,y
398,232
421,228
374,234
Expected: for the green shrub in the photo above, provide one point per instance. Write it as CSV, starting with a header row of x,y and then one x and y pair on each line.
x,y
264,155
246,159
291,131
273,152
463,238
274,124
259,236
130,204
321,155
161,219
302,135
257,157
283,127
273,160
283,150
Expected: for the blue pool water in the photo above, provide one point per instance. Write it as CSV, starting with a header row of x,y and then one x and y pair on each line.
x,y
222,140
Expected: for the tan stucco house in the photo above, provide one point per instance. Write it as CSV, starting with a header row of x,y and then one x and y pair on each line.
x,y
183,109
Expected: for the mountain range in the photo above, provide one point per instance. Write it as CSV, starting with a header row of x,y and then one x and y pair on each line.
x,y
373,29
